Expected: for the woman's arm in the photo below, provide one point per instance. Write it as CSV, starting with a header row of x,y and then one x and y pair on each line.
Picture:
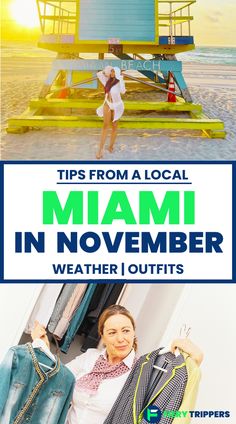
x,y
122,85
77,364
102,78
188,347
39,332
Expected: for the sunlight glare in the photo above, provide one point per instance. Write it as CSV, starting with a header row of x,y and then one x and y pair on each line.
x,y
25,13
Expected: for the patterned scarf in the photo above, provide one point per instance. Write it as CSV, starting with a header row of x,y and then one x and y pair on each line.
x,y
110,83
101,371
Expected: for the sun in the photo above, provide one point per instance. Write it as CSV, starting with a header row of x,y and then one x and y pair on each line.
x,y
25,13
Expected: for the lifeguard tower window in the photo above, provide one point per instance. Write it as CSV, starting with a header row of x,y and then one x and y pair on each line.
x,y
126,20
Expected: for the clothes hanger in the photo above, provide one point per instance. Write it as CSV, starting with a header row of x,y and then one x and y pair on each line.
x,y
45,366
40,344
162,352
159,368
183,332
168,349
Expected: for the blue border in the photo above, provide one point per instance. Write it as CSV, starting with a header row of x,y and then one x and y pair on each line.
x,y
234,221
123,162
1,221
172,281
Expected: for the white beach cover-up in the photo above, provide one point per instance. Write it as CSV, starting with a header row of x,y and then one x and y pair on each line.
x,y
117,103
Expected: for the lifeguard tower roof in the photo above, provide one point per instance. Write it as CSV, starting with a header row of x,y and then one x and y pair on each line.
x,y
100,26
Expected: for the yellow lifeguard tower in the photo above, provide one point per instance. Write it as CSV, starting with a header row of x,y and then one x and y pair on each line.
x,y
135,35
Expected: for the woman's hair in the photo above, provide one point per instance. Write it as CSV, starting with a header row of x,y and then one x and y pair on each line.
x,y
115,310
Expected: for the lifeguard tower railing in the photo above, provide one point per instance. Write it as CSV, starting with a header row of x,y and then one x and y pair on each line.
x,y
62,22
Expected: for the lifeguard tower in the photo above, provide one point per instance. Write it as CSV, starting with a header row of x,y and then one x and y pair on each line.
x,y
141,37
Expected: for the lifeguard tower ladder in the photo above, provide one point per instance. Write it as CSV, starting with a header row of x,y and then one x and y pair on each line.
x,y
135,35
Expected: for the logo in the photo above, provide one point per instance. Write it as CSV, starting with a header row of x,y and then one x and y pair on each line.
x,y
152,414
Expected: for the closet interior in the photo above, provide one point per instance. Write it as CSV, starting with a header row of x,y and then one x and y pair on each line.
x,y
161,312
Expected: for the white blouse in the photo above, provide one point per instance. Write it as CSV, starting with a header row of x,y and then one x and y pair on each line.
x,y
117,103
93,408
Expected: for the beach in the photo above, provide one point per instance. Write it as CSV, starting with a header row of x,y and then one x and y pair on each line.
x,y
212,85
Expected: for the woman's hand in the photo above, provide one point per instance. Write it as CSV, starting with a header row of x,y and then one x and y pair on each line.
x,y
188,347
39,332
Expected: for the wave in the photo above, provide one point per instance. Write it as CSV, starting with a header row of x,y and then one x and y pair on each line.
x,y
213,55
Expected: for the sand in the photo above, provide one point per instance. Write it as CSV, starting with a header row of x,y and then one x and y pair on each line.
x,y
211,85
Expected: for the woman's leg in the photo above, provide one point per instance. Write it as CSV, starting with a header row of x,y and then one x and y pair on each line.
x,y
113,136
106,124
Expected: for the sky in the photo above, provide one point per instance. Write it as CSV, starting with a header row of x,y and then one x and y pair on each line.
x,y
213,25
214,22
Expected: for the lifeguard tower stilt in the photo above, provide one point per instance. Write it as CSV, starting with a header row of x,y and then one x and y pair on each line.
x,y
140,37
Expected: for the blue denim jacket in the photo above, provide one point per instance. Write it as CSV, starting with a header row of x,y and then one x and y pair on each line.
x,y
29,393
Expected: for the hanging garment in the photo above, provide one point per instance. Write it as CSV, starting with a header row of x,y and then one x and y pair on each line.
x,y
94,408
59,308
117,104
28,393
156,376
85,326
72,305
168,393
190,394
110,296
95,313
44,306
78,318
173,395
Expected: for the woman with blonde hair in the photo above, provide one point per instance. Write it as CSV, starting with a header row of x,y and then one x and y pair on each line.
x,y
113,107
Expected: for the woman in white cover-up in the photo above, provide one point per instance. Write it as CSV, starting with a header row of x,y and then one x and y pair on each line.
x,y
113,107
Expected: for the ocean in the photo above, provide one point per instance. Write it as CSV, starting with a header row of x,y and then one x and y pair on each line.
x,y
208,55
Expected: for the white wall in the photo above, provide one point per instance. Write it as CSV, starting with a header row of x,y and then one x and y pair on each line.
x,y
16,304
155,314
152,306
209,309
